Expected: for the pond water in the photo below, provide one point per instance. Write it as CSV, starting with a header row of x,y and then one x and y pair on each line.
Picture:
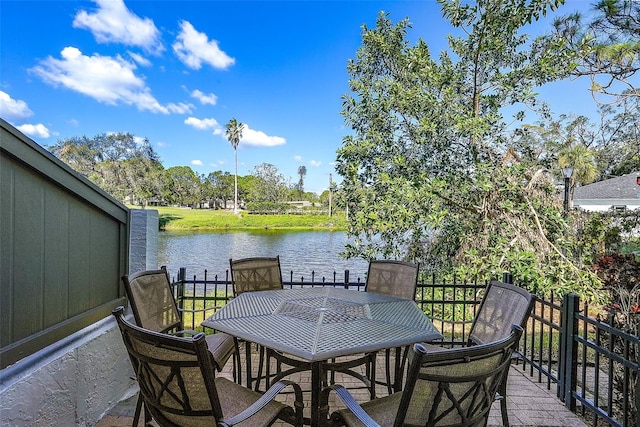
x,y
301,252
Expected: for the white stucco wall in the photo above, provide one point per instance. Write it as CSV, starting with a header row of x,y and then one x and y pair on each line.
x,y
71,383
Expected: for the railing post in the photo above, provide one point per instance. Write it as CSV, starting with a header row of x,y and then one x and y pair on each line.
x,y
507,278
562,350
182,276
568,359
346,279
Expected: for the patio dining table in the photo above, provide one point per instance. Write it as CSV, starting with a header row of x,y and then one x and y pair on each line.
x,y
320,323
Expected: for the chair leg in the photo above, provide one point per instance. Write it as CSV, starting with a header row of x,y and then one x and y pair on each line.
x,y
372,374
261,363
267,369
332,376
247,346
234,369
237,374
502,391
401,362
136,415
387,368
503,402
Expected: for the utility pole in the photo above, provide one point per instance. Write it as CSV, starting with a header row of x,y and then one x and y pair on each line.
x,y
330,184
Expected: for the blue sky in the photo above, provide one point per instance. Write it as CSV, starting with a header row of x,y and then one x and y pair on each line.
x,y
176,72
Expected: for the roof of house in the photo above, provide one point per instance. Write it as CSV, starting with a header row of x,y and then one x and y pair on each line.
x,y
620,187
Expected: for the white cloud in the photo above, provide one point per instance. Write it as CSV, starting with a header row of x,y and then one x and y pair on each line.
x,y
140,60
258,138
13,109
204,98
114,23
297,158
110,80
193,48
202,124
196,162
39,130
315,163
180,108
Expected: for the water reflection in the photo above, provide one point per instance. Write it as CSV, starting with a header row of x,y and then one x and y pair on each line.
x,y
300,252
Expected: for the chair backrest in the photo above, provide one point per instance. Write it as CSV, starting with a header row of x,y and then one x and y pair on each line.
x,y
503,305
393,278
176,375
152,301
255,274
454,387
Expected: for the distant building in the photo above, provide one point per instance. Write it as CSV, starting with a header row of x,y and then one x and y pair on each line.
x,y
300,203
619,193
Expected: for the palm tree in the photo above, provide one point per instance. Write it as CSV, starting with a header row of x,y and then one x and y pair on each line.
x,y
582,160
234,134
302,171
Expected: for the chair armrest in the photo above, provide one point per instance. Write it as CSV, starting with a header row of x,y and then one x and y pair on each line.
x,y
349,401
267,397
183,332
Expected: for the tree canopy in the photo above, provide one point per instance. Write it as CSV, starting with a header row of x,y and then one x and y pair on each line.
x,y
605,47
129,169
120,163
430,172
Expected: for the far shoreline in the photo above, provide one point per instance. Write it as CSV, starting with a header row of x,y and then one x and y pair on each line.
x,y
208,220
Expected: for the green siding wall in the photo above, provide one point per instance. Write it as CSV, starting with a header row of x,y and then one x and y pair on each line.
x,y
63,248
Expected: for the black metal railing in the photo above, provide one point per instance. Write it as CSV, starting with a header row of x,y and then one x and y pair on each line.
x,y
603,370
592,364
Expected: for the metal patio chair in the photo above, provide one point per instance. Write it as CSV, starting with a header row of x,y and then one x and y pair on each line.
x,y
179,387
393,278
255,274
503,305
154,308
452,387
398,279
251,275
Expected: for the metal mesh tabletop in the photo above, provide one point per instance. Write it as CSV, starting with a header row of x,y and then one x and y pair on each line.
x,y
321,323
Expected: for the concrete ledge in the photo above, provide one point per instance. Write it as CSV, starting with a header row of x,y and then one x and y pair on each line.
x,y
72,382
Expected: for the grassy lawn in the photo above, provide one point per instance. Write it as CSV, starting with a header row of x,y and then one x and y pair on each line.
x,y
184,219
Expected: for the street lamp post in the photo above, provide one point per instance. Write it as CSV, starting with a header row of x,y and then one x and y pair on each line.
x,y
567,172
